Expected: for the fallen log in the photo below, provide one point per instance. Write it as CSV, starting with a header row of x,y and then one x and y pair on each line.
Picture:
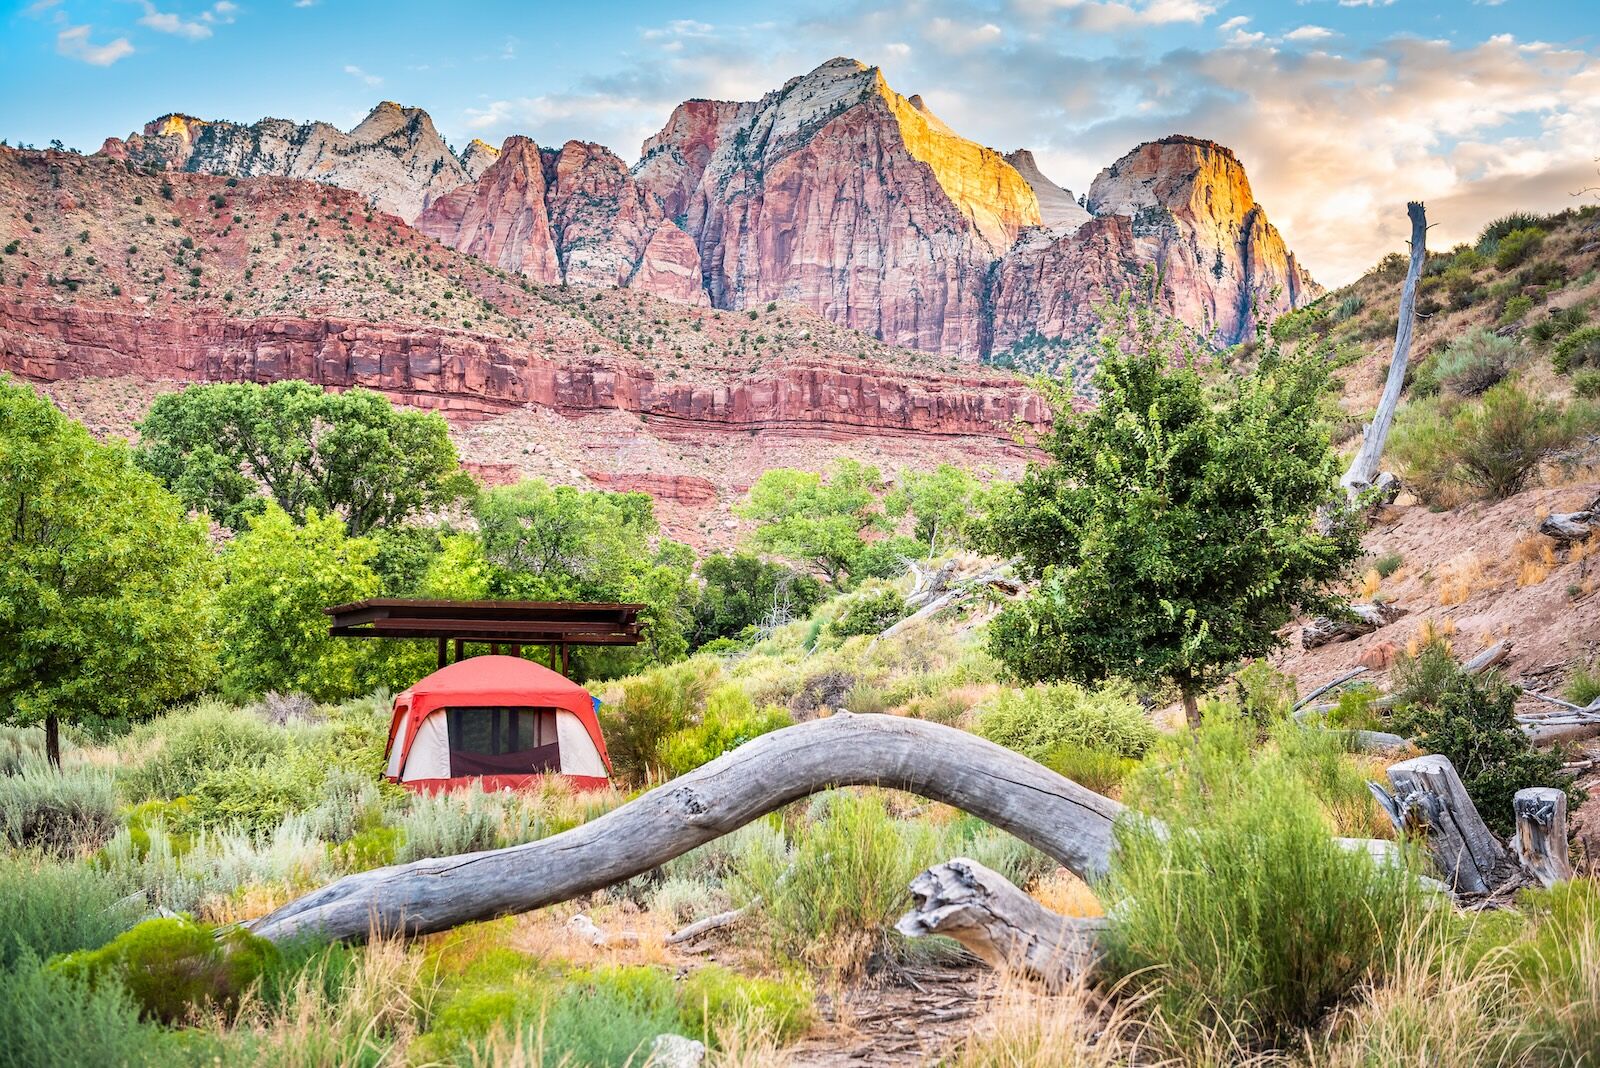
x,y
1001,925
1541,841
709,924
1325,687
1065,821
1363,619
1568,527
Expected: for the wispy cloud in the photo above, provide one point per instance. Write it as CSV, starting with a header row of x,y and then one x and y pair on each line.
x,y
74,43
195,29
356,72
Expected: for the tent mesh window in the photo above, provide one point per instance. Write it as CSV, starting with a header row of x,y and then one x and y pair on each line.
x,y
502,741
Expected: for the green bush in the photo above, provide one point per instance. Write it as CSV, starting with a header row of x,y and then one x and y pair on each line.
x,y
48,908
1516,309
1491,235
1516,247
57,810
51,1020
730,719
655,705
1493,446
1581,348
715,998
1472,363
870,613
171,756
447,823
1093,769
1035,720
609,1016
1252,921
1386,564
175,967
1586,384
1558,324
1584,686
256,798
1472,720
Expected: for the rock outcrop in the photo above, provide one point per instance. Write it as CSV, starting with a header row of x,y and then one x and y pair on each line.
x,y
478,157
1179,208
395,158
571,215
1058,209
837,193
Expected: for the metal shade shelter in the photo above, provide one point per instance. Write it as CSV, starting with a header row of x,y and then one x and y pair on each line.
x,y
501,624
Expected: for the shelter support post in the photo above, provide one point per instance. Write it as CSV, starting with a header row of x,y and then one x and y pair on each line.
x,y
564,658
443,648
460,647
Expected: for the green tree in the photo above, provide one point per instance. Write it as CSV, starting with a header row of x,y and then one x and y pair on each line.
x,y
559,543
1172,534
105,585
941,502
813,521
742,590
279,578
353,454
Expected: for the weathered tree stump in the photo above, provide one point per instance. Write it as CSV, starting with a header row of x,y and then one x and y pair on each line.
x,y
1001,925
1363,619
1541,841
1430,801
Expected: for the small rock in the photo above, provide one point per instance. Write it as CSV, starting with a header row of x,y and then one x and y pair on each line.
x,y
675,1051
581,926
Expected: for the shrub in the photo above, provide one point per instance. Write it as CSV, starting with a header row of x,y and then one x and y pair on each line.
x,y
1584,686
1516,309
715,998
1348,307
174,967
1558,324
1491,234
1386,564
1035,720
730,720
1473,362
1581,348
447,823
1586,384
1472,720
654,706
1493,446
48,908
870,613
51,1020
57,810
609,1016
1253,921
1093,769
1515,247
171,756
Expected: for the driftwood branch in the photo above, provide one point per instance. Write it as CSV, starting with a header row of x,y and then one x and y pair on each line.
x,y
710,923
1363,470
1541,841
938,591
1001,925
1325,687
1054,815
1363,619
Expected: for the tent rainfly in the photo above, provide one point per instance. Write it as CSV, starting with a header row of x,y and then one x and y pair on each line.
x,y
501,721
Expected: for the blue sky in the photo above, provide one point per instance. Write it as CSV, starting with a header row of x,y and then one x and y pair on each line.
x,y
1340,109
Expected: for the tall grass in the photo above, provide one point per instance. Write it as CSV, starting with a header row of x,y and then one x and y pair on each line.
x,y
1241,917
48,908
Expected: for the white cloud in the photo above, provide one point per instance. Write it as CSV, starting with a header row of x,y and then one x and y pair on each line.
x,y
1236,23
195,29
356,72
1113,16
1309,33
74,43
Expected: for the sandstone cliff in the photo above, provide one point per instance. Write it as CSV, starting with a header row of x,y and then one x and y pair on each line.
x,y
571,215
395,158
1058,208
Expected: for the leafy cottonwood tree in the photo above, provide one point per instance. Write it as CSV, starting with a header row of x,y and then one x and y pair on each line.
x,y
105,584
742,590
941,502
352,454
816,522
1172,534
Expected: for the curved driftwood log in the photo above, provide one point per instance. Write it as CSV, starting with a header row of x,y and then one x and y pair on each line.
x,y
1052,814
1001,925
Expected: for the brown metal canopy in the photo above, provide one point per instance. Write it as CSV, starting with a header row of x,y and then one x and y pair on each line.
x,y
557,624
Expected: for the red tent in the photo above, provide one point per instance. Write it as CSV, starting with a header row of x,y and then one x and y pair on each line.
x,y
501,721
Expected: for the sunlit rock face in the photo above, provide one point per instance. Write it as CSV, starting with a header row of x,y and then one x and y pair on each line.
x,y
1179,208
478,157
395,158
571,215
838,193
1059,210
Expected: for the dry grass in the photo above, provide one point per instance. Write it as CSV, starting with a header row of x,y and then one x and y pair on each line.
x,y
1428,633
1371,582
1023,1028
1461,577
1063,892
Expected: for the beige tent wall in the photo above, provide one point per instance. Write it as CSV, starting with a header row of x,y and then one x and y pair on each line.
x,y
578,754
430,752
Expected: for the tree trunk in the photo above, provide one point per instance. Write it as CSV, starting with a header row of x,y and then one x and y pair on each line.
x,y
1363,471
1001,925
1060,818
1191,709
52,740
